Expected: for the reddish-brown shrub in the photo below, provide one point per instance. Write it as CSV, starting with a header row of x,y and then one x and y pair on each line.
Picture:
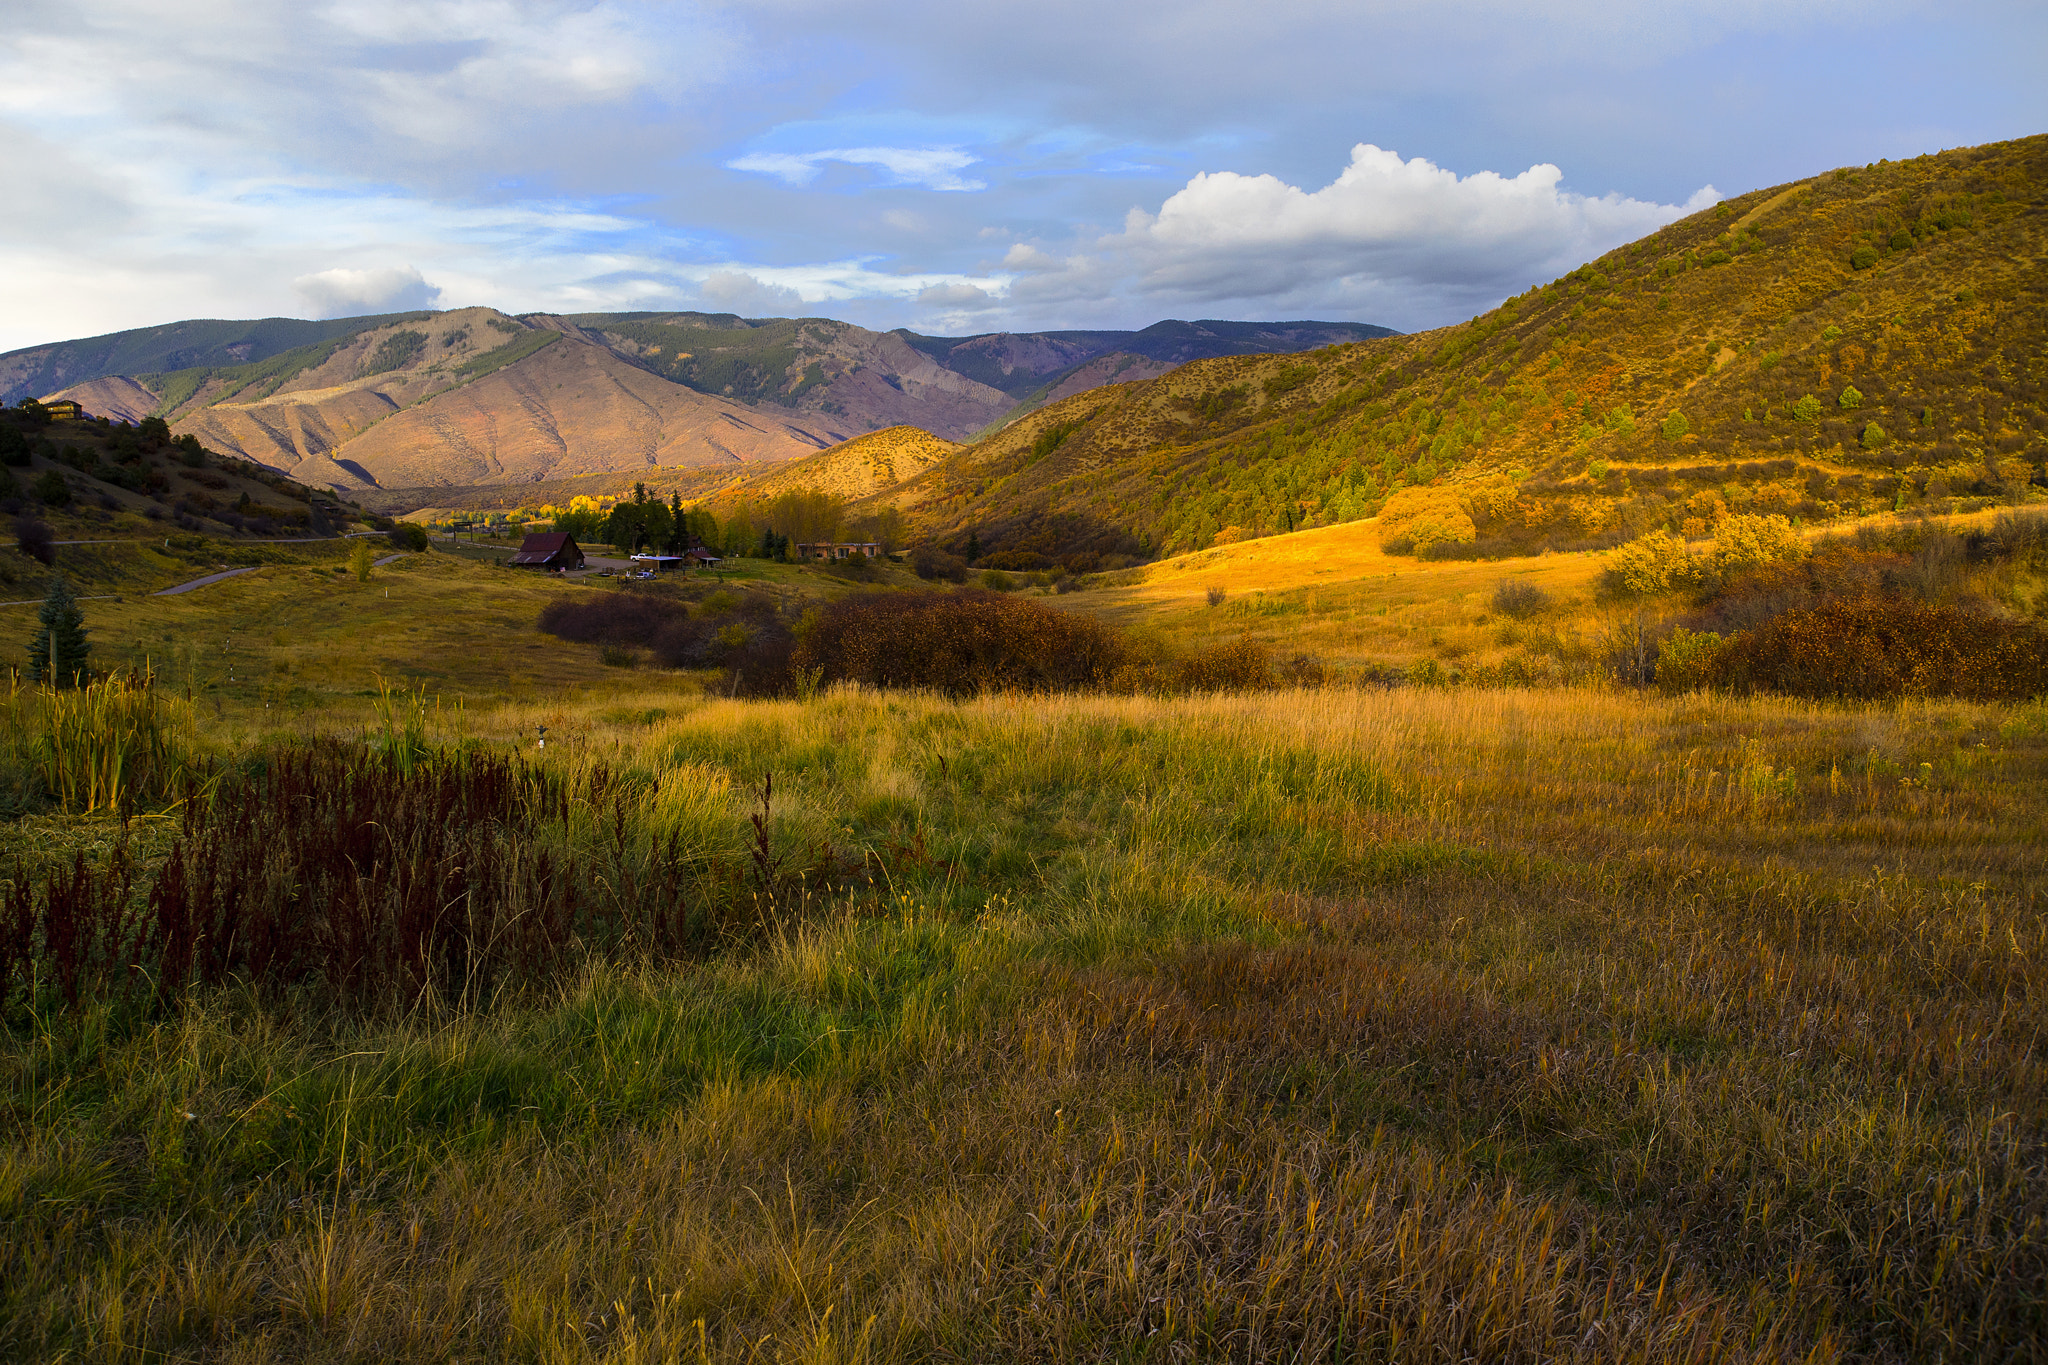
x,y
959,643
1875,647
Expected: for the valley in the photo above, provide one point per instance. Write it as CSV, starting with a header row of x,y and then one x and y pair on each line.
x,y
1526,841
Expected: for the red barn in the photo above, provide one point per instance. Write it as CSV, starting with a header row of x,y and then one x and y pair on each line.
x,y
549,550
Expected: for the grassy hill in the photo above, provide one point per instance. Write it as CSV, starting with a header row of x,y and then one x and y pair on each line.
x,y
1867,340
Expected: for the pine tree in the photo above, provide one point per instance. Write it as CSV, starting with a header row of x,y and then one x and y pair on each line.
x,y
57,653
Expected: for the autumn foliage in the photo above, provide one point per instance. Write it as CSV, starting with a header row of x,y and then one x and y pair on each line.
x,y
958,643
1875,647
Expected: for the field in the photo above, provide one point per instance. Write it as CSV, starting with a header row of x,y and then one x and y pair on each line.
x,y
1423,1024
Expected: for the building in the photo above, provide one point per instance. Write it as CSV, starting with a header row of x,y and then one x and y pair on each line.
x,y
550,550
659,563
701,557
838,549
64,409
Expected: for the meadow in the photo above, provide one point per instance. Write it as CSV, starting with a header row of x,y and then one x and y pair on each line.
x,y
1567,1023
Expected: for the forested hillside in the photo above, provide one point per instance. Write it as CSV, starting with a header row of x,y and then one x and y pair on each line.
x,y
1872,338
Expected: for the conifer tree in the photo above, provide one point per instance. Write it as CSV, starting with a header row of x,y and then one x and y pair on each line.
x,y
57,653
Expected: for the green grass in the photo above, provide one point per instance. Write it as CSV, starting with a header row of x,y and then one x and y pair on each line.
x,y
1636,1028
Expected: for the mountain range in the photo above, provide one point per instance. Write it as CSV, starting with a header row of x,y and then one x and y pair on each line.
x,y
436,402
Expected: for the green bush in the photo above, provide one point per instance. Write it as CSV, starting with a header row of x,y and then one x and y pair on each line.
x,y
1874,436
49,486
1862,258
1675,426
1686,659
1852,397
1806,409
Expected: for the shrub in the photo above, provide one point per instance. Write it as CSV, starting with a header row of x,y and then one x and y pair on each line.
x,y
741,633
1747,541
1216,596
1519,601
959,643
1416,518
1675,426
49,486
1649,565
930,562
409,535
995,580
1686,659
1872,647
1862,258
1874,436
33,537
1852,397
1242,666
1806,409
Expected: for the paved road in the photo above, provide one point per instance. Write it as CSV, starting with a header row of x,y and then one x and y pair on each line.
x,y
202,582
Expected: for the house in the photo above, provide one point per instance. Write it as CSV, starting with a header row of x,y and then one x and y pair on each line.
x,y
828,549
702,557
549,550
64,409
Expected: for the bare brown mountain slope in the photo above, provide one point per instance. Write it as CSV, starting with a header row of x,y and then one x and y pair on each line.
x,y
473,397
117,396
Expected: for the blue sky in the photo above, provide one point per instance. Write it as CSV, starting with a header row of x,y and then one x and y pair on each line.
x,y
944,166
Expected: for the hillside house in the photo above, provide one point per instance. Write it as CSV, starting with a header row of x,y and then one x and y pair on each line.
x,y
555,550
838,549
64,409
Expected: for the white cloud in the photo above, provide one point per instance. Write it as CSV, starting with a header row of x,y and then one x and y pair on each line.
x,y
935,168
735,291
1398,235
340,292
957,296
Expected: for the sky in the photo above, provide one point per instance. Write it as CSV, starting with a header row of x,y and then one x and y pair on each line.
x,y
949,167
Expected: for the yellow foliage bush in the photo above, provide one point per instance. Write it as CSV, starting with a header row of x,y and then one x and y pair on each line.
x,y
1650,565
1416,518
1746,541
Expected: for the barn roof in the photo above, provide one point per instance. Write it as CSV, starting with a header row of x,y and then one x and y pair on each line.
x,y
543,546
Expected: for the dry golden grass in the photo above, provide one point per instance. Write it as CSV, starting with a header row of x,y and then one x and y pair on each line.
x,y
1331,592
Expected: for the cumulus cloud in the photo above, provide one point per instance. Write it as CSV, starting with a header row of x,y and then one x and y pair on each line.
x,y
340,292
935,168
735,291
1402,234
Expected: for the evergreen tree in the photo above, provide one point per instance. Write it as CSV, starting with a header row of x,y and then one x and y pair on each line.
x,y
57,653
973,546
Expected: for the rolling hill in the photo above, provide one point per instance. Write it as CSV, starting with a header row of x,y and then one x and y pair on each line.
x,y
1872,338
421,407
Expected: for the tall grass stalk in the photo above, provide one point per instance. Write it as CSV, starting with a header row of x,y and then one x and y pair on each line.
x,y
114,745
